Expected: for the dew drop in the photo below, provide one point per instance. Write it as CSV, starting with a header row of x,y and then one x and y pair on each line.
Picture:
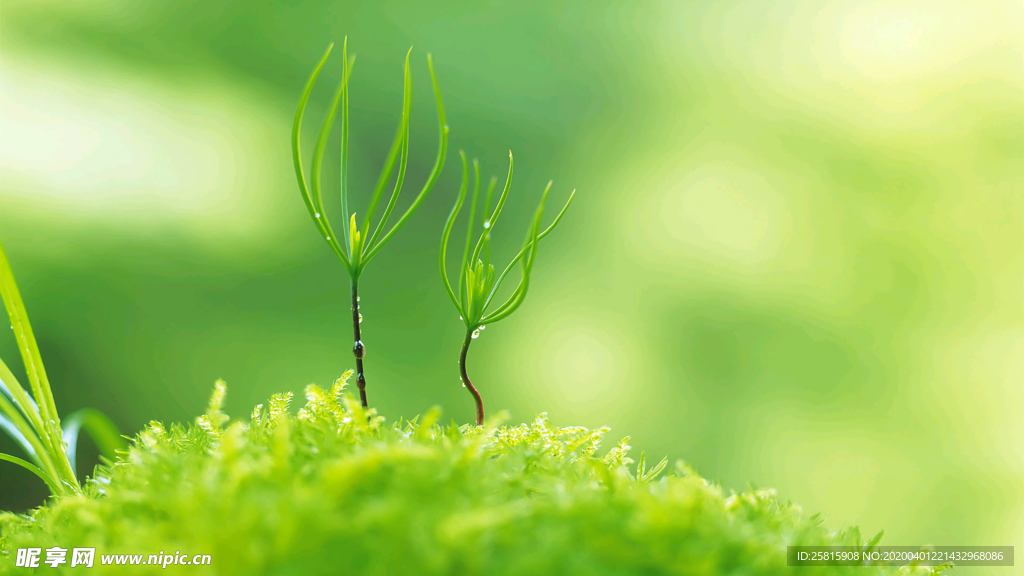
x,y
460,318
483,327
317,214
358,298
487,224
360,318
328,237
358,349
476,333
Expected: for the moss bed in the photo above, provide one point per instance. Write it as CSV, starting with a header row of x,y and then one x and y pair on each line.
x,y
332,489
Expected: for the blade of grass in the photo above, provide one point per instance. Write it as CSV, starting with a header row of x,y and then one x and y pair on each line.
x,y
15,432
22,433
28,347
26,437
55,488
17,418
101,428
43,417
7,391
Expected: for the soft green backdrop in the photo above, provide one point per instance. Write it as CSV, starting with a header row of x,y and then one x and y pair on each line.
x,y
795,258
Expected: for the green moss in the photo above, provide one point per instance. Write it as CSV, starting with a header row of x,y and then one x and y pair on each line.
x,y
333,490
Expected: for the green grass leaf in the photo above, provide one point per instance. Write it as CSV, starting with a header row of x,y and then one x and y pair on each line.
x,y
40,411
47,410
101,429
55,488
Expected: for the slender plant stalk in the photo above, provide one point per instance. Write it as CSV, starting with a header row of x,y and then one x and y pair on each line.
x,y
465,379
358,349
360,244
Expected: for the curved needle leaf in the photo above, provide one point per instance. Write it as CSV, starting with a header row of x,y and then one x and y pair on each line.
x,y
399,143
532,240
469,232
442,151
487,208
316,169
346,68
448,230
318,216
490,222
546,231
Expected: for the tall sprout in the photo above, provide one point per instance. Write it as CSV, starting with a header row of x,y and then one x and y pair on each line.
x,y
32,420
359,245
478,286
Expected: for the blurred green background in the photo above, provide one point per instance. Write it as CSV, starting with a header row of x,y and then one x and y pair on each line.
x,y
795,258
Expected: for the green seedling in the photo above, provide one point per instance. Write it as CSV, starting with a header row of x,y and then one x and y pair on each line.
x,y
32,420
477,282
360,245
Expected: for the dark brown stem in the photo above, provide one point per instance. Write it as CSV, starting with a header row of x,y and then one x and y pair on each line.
x,y
467,383
358,349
